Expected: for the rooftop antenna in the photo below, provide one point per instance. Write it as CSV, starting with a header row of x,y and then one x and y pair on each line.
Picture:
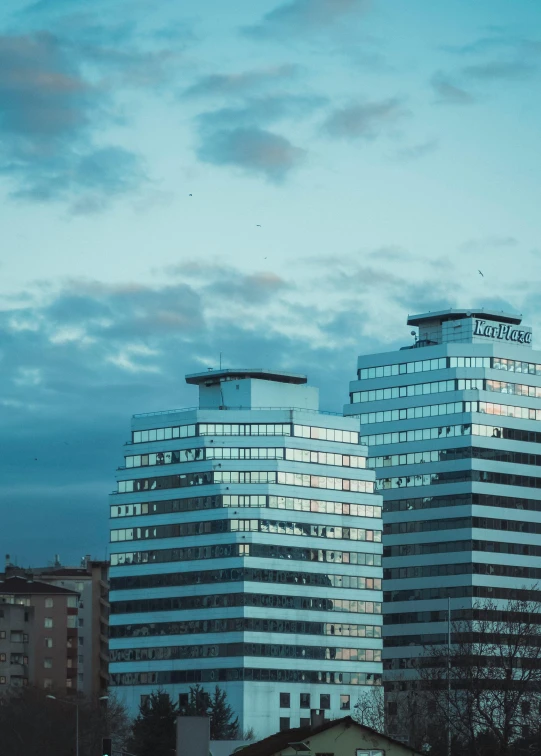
x,y
414,334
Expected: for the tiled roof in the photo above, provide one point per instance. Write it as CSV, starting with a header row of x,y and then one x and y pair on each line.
x,y
21,585
281,740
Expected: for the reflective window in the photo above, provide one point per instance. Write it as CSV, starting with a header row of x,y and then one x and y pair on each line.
x,y
244,429
516,366
410,413
463,452
326,434
483,500
257,550
507,410
481,476
245,574
172,677
216,502
518,389
163,434
414,389
246,624
419,366
325,458
206,527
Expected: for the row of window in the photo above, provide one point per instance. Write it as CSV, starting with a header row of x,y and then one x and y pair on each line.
x,y
216,502
516,366
434,410
245,624
273,650
185,529
258,550
482,500
479,476
442,570
462,591
19,659
244,574
422,366
222,600
245,674
230,476
485,523
235,453
445,547
450,431
469,615
414,413
417,389
245,429
447,455
518,389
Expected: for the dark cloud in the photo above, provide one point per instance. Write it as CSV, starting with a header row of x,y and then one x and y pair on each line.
x,y
253,150
46,111
496,70
365,120
241,83
261,111
449,92
416,151
301,17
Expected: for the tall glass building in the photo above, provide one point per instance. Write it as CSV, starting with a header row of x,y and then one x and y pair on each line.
x,y
246,552
452,426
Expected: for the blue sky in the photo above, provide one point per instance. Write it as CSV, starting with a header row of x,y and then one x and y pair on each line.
x,y
282,182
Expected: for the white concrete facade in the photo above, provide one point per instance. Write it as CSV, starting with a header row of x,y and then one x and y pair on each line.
x,y
453,429
261,571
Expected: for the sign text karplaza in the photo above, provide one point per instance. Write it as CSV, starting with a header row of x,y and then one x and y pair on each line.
x,y
501,331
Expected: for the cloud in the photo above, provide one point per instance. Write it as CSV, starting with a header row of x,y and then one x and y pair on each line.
x,y
46,111
261,111
496,70
226,85
366,120
301,17
254,150
450,93
416,151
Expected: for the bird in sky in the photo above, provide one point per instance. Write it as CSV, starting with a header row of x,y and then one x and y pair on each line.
x,y
258,225
190,195
481,273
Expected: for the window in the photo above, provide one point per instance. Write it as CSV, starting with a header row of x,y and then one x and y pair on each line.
x,y
70,663
48,622
284,724
80,587
81,641
49,603
48,642
81,622
325,701
2,634
71,620
2,680
72,602
69,683
392,708
285,700
47,682
361,752
48,662
305,700
2,657
345,702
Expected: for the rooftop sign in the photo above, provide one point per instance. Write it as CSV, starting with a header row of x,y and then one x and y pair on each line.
x,y
501,331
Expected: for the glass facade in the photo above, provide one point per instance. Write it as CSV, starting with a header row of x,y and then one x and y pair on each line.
x,y
461,493
267,502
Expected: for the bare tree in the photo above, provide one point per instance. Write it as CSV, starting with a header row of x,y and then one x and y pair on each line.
x,y
494,667
370,708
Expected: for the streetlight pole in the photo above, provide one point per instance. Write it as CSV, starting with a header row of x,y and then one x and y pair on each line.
x,y
76,704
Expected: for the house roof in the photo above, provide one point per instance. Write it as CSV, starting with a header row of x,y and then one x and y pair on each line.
x,y
20,585
280,740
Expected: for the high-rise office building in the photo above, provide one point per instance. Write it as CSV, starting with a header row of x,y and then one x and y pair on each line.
x,y
246,553
452,427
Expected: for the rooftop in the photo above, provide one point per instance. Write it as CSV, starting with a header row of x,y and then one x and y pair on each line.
x,y
210,377
281,740
452,314
20,585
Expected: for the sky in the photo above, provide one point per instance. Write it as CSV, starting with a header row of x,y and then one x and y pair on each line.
x,y
281,182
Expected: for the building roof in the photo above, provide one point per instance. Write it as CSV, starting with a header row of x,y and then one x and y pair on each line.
x,y
20,585
280,740
210,377
452,314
